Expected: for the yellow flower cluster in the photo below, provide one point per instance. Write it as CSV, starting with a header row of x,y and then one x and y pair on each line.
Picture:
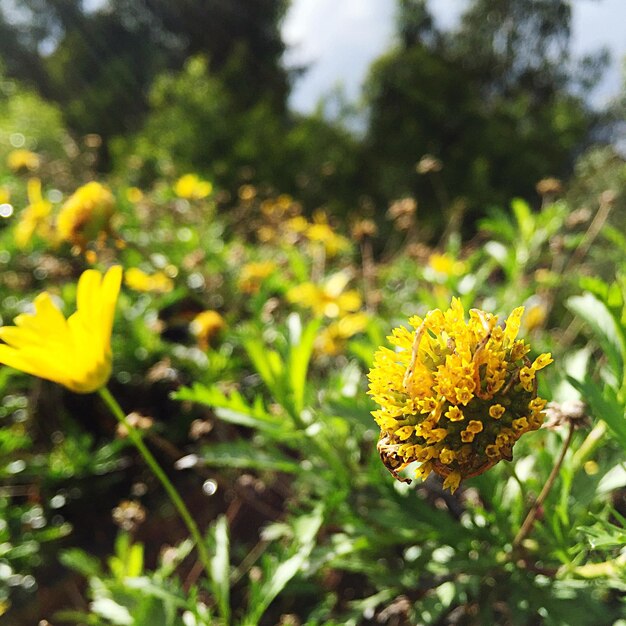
x,y
86,215
455,394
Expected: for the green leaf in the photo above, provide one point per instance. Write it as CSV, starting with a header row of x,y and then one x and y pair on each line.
x,y
604,405
245,454
112,611
524,217
220,568
298,362
276,578
267,363
81,562
605,327
233,408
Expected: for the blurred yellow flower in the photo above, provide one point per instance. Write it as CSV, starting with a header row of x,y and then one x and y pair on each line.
x,y
297,224
191,187
5,194
535,317
247,192
446,264
134,195
321,231
332,339
138,280
35,216
455,395
253,274
86,215
74,352
21,159
205,326
329,299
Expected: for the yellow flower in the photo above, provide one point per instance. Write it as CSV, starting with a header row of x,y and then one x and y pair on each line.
x,y
21,159
191,187
328,300
455,394
5,194
138,280
333,338
86,215
34,218
445,265
321,231
207,325
134,195
253,274
535,317
74,352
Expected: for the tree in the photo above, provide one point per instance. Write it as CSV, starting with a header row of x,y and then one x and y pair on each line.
x,y
99,65
493,101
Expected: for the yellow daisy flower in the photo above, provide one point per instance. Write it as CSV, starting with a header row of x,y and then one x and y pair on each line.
x,y
74,352
329,299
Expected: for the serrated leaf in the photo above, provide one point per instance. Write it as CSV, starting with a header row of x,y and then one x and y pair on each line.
x,y
233,407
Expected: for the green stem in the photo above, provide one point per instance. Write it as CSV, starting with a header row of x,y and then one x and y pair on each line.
x,y
174,496
532,514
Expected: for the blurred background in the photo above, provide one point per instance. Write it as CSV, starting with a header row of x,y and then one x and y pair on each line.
x,y
283,183
348,106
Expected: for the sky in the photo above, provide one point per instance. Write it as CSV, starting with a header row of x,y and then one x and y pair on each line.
x,y
338,39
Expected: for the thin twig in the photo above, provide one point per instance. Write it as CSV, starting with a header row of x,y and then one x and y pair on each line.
x,y
532,513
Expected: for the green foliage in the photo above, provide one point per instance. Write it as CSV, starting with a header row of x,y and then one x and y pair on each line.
x,y
489,100
263,423
28,121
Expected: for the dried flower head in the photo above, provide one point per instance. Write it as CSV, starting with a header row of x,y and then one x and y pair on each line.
x,y
428,164
363,228
549,186
456,394
129,515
